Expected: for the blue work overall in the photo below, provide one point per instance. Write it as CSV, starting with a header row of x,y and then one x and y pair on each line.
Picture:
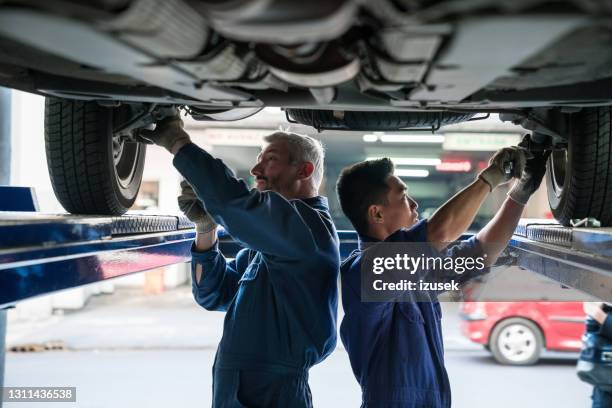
x,y
279,293
395,347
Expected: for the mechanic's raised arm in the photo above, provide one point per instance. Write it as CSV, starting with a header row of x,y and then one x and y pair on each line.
x,y
454,217
214,280
495,235
263,221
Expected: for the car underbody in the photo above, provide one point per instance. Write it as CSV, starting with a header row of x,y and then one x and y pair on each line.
x,y
332,54
331,64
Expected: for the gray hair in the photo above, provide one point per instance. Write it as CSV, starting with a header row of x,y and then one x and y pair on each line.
x,y
302,148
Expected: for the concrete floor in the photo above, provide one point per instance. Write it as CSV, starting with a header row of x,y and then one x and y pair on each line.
x,y
128,350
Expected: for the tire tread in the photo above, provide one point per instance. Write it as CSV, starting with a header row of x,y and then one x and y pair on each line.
x,y
354,120
589,190
77,158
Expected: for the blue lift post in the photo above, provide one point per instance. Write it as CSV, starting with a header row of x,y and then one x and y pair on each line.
x,y
5,177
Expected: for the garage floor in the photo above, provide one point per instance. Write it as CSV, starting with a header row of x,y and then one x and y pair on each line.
x,y
128,349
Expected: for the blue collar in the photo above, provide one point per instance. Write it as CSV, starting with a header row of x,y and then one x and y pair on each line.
x,y
317,202
366,241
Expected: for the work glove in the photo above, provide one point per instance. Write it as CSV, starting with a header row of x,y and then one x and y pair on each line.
x,y
192,207
532,175
507,163
168,133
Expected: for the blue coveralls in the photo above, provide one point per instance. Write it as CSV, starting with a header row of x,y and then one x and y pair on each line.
x,y
280,293
601,398
396,348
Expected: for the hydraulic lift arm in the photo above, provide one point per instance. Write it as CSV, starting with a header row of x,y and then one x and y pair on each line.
x,y
580,258
41,254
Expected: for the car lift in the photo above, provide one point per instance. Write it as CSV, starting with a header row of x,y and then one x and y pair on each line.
x,y
41,254
578,257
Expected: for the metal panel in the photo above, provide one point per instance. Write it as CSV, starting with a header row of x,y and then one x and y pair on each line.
x,y
475,57
580,258
140,224
40,254
18,229
96,49
584,271
17,198
34,271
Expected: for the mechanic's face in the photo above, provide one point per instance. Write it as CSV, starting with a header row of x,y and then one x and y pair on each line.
x,y
400,210
274,170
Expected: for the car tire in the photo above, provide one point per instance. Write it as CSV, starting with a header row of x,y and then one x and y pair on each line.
x,y
516,341
91,171
374,121
579,178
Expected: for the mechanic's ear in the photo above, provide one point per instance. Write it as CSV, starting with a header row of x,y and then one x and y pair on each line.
x,y
305,170
375,214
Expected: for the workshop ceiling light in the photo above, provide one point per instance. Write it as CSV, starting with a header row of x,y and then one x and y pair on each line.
x,y
412,161
454,166
419,173
414,138
370,138
479,141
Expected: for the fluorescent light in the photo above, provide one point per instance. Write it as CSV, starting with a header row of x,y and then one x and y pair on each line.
x,y
412,138
411,173
481,141
457,166
411,161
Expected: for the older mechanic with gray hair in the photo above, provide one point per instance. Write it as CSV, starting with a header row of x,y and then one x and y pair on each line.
x,y
280,293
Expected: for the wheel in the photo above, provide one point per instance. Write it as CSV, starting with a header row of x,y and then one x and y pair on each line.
x,y
579,178
516,341
92,170
373,121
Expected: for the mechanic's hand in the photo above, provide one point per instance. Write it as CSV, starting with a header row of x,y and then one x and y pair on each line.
x,y
168,133
192,207
594,309
507,158
532,175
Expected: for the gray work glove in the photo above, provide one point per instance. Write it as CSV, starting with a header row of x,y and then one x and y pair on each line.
x,y
192,207
168,133
532,175
507,158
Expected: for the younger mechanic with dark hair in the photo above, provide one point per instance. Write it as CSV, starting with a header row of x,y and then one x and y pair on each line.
x,y
395,348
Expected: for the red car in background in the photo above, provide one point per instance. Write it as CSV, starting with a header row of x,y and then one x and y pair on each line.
x,y
516,333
